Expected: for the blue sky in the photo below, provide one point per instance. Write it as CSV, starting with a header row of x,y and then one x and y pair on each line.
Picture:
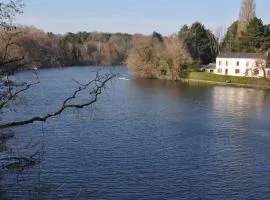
x,y
137,16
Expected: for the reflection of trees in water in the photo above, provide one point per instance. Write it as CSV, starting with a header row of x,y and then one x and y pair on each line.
x,y
14,163
169,87
4,137
21,168
233,101
239,102
192,92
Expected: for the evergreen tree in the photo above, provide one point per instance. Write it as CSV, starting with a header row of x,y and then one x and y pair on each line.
x,y
266,39
230,41
252,39
201,43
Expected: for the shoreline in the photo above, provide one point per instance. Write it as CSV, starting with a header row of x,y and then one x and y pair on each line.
x,y
264,87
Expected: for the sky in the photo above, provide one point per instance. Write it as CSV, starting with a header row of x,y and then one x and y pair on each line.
x,y
137,16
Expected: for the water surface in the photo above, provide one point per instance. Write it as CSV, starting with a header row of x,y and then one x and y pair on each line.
x,y
143,139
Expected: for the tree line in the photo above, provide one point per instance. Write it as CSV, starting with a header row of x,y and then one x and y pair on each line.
x,y
198,45
158,57
30,48
256,37
170,57
46,49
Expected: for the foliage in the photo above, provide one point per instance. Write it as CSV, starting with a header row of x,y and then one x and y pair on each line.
x,y
201,43
156,57
266,38
256,37
83,48
229,43
251,40
22,47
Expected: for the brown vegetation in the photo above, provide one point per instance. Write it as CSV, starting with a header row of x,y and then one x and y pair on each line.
x,y
154,57
247,13
43,49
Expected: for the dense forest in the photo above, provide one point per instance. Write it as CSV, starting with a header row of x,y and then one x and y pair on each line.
x,y
43,49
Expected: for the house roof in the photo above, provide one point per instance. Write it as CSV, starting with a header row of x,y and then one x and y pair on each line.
x,y
236,55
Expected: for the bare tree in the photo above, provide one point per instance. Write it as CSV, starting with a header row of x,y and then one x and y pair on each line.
x,y
247,13
8,11
155,58
12,58
178,55
142,58
261,63
219,34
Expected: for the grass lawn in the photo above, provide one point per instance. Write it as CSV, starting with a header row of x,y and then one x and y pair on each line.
x,y
233,79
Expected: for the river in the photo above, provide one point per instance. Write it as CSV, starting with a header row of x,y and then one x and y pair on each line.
x,y
143,139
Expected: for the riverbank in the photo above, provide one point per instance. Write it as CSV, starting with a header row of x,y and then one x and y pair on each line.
x,y
209,78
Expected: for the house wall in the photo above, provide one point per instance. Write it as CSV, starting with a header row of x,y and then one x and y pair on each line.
x,y
237,67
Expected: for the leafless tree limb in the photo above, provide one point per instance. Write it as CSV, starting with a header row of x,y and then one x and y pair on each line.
x,y
94,87
8,11
12,95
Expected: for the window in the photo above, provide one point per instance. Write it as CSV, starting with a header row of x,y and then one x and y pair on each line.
x,y
227,63
247,64
219,70
220,63
237,71
237,63
256,71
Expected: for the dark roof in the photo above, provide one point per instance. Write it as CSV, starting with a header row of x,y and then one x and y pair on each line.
x,y
236,55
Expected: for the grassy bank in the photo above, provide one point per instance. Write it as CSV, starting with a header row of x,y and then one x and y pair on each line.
x,y
232,79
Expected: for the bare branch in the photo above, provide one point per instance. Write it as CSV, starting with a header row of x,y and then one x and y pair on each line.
x,y
8,11
99,84
11,95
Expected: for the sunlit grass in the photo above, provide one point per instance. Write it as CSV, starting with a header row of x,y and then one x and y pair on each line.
x,y
232,79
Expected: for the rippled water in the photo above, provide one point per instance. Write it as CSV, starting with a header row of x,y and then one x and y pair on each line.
x,y
144,139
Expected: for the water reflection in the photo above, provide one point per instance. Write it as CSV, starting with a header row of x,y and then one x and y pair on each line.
x,y
151,139
230,101
238,102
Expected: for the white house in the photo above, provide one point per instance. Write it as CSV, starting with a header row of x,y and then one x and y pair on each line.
x,y
243,64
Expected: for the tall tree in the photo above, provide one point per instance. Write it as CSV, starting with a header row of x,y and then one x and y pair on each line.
x,y
201,43
152,58
253,38
13,57
230,41
266,40
247,13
